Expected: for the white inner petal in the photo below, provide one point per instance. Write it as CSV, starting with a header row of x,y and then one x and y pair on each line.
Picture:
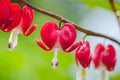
x,y
81,74
54,62
13,40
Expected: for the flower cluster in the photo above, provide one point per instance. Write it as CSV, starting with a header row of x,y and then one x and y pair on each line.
x,y
62,38
18,21
15,20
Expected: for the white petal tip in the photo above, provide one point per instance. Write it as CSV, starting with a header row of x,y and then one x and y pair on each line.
x,y
12,41
54,64
10,47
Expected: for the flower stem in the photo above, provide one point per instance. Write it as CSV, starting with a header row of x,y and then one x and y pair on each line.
x,y
79,28
114,10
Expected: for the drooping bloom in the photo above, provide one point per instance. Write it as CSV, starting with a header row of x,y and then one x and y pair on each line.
x,y
83,59
55,38
9,14
16,21
82,55
105,57
27,16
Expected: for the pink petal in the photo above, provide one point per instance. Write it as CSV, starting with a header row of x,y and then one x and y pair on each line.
x,y
15,15
42,45
27,16
67,35
83,55
31,30
49,34
73,47
6,25
97,55
76,53
4,13
109,57
5,1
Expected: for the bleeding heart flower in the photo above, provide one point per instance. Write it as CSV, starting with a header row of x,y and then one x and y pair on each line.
x,y
105,57
83,55
17,22
5,13
27,16
10,15
13,20
56,39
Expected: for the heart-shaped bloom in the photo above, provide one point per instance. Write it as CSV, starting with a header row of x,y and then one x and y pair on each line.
x,y
5,13
27,16
105,57
82,55
55,39
15,20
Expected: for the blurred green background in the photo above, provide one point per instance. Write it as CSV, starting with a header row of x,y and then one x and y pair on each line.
x,y
29,62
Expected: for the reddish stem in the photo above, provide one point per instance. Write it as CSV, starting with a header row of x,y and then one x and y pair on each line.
x,y
79,28
114,10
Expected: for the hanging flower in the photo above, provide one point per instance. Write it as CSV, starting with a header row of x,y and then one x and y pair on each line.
x,y
9,14
55,38
27,16
16,21
82,55
105,57
83,59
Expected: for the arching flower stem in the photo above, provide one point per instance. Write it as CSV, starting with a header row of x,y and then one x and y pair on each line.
x,y
114,10
84,37
79,28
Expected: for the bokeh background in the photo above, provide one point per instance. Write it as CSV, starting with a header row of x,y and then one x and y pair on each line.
x,y
29,62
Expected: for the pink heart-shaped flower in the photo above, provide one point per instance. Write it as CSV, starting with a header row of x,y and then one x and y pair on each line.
x,y
82,54
109,57
105,56
53,37
15,20
97,55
